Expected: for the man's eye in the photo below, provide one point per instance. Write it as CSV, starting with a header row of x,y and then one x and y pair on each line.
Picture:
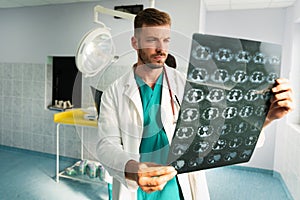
x,y
151,40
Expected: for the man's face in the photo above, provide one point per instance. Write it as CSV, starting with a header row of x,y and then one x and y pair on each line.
x,y
152,45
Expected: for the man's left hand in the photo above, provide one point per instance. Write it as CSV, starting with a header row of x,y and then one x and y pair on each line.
x,y
281,101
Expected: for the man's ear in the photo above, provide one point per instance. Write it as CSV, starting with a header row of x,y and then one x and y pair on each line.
x,y
134,43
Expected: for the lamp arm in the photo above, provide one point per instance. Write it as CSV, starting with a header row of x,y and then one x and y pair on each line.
x,y
101,9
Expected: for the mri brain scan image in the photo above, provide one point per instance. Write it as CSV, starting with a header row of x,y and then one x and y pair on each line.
x,y
235,95
220,144
246,111
251,95
229,112
261,110
179,164
190,114
259,58
243,57
257,77
201,147
180,149
272,77
245,154
198,75
210,113
194,162
220,76
215,95
274,60
202,53
239,76
224,129
240,127
194,96
235,143
250,140
214,158
230,156
184,132
224,55
205,131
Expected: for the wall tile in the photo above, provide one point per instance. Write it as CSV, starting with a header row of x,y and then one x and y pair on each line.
x,y
17,123
7,105
7,71
2,71
38,72
17,88
72,148
37,107
7,137
27,72
38,90
37,125
8,87
27,89
25,123
16,105
38,142
1,105
17,71
27,140
50,144
49,128
7,122
26,107
17,139
1,87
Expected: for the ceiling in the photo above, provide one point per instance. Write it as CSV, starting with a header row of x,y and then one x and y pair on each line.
x,y
211,5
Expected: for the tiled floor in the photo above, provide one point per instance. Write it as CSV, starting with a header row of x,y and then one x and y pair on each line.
x,y
31,176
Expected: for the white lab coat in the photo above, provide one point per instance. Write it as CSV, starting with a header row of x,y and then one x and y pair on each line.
x,y
121,129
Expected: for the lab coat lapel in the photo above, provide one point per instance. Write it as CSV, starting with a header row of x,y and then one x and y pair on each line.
x,y
132,92
167,114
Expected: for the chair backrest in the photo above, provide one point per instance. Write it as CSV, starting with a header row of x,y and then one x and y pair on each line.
x,y
97,98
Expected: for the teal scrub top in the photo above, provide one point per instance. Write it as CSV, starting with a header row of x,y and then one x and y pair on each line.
x,y
154,146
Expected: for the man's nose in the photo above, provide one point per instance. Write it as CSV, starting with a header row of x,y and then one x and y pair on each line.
x,y
160,45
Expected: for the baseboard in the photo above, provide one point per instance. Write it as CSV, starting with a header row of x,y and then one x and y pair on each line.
x,y
37,153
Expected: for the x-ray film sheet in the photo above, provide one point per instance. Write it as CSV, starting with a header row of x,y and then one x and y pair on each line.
x,y
225,101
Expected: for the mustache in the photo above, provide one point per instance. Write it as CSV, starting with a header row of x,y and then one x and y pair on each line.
x,y
159,54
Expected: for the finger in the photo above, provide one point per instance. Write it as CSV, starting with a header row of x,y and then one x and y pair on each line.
x,y
155,181
282,86
282,96
281,80
277,113
150,189
284,104
156,171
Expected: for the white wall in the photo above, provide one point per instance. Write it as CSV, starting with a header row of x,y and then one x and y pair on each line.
x,y
31,34
287,160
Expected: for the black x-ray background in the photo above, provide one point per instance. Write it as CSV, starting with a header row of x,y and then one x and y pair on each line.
x,y
225,101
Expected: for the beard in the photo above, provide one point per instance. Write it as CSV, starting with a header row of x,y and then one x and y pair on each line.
x,y
147,59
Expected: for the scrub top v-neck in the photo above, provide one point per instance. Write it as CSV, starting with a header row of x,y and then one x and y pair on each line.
x,y
154,146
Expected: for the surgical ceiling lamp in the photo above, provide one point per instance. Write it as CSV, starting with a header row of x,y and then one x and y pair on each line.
x,y
96,50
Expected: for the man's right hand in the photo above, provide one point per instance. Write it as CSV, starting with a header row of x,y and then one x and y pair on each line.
x,y
149,176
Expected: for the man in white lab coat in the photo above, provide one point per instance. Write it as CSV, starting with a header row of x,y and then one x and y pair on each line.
x,y
126,122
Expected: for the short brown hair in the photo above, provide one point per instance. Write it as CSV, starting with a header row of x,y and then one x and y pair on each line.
x,y
151,17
